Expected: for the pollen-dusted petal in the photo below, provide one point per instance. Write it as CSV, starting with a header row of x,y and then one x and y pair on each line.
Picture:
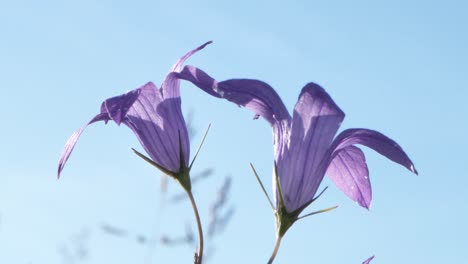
x,y
301,168
348,170
376,141
71,142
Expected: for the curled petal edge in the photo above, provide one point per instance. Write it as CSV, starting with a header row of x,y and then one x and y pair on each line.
x,y
376,141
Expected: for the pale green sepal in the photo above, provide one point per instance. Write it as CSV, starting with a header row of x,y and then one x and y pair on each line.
x,y
200,146
263,187
150,161
285,219
183,176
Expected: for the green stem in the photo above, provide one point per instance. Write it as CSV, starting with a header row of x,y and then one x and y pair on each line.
x,y
275,250
263,187
199,255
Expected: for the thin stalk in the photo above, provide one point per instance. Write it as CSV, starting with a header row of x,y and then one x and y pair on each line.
x,y
199,255
275,250
263,187
200,146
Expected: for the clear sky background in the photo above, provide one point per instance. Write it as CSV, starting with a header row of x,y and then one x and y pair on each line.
x,y
399,67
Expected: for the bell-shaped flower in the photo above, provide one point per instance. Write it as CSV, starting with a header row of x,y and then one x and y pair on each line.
x,y
155,116
305,146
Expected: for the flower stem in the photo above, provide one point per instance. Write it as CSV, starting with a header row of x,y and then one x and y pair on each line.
x,y
199,254
275,250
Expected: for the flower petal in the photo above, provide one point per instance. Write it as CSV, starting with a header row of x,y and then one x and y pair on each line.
x,y
173,113
200,79
170,91
170,87
367,261
71,142
255,95
376,141
301,166
178,65
157,123
348,170
118,106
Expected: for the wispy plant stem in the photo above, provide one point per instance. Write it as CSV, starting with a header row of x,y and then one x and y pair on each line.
x,y
263,187
198,259
200,146
275,250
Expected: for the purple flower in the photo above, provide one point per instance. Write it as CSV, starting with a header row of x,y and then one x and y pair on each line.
x,y
367,261
305,146
155,116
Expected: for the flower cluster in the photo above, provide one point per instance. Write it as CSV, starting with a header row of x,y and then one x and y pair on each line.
x,y
306,145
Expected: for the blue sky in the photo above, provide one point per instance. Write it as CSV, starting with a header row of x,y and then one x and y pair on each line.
x,y
397,67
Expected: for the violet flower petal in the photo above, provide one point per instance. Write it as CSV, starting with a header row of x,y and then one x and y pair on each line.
x,y
118,106
145,112
367,261
178,65
155,116
376,141
301,166
263,100
71,142
170,87
200,79
149,118
172,109
255,95
348,170
170,90
173,105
